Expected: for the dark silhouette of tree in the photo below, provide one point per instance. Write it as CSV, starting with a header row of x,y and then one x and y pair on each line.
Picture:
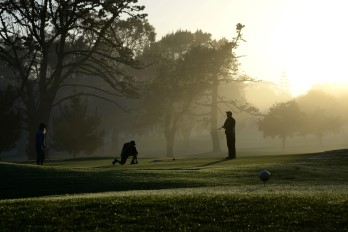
x,y
10,120
164,103
171,92
75,130
46,43
190,67
223,68
212,65
136,34
283,120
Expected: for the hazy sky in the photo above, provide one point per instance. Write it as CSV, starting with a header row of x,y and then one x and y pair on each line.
x,y
306,39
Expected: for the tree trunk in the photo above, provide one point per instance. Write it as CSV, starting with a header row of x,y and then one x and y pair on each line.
x,y
169,133
37,115
283,143
42,115
30,145
170,144
39,107
115,137
186,133
213,117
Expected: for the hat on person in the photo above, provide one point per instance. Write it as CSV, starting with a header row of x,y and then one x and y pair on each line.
x,y
228,112
132,142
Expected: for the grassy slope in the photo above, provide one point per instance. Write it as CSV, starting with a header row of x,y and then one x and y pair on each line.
x,y
305,192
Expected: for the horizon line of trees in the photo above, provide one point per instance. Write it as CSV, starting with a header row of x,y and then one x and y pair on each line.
x,y
315,113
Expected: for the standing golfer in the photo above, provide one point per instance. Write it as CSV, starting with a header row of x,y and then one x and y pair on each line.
x,y
128,149
40,144
230,131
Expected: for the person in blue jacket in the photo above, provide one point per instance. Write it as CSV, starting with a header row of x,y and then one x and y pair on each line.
x,y
40,144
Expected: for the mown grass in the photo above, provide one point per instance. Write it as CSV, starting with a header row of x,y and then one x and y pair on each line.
x,y
305,193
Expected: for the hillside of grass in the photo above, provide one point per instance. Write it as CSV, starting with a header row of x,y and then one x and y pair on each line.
x,y
306,192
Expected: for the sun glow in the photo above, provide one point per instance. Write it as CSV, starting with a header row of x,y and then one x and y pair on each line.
x,y
305,39
311,45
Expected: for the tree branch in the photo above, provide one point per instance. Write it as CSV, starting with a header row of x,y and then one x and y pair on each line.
x,y
91,87
90,95
243,108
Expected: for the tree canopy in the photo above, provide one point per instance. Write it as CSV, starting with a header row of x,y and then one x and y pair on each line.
x,y
75,130
46,43
189,66
171,89
10,120
283,120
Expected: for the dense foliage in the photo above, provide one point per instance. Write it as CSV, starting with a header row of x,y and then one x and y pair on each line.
x,y
10,120
283,120
46,43
190,67
315,113
75,130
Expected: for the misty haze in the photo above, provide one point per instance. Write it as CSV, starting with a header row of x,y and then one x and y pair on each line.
x,y
173,115
193,138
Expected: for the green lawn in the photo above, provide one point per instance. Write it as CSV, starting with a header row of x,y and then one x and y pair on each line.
x,y
305,193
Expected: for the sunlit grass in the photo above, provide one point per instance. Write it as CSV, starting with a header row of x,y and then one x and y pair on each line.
x,y
305,193
221,209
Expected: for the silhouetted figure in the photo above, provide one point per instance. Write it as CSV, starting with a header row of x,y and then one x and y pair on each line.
x,y
40,144
230,131
128,149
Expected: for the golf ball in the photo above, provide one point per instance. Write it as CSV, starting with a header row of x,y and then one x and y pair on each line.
x,y
264,175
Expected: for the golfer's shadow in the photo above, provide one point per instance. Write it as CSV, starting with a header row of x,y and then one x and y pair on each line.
x,y
212,163
105,166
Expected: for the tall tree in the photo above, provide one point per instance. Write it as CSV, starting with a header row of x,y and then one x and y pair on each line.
x,y
215,64
171,91
283,120
47,42
10,120
74,130
137,34
192,65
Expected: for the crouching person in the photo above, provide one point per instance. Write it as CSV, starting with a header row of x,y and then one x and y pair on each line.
x,y
128,149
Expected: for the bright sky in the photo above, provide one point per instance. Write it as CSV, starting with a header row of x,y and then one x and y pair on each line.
x,y
306,39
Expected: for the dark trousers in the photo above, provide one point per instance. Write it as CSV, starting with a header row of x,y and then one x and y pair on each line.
x,y
40,156
231,144
124,159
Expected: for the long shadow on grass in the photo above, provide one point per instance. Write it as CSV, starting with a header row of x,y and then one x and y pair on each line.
x,y
213,163
22,181
105,166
